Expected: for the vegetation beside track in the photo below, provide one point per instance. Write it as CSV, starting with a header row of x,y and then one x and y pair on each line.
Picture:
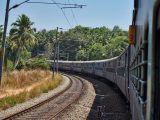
x,y
29,84
25,75
30,50
24,42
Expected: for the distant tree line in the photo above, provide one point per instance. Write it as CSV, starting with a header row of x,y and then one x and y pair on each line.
x,y
82,43
26,46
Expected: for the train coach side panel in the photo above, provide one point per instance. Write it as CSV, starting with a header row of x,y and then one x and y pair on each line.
x,y
121,79
109,71
77,67
98,69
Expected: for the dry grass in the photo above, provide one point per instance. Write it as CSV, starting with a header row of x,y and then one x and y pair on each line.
x,y
45,86
41,82
20,79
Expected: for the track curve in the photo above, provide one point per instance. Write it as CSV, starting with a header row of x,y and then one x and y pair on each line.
x,y
54,106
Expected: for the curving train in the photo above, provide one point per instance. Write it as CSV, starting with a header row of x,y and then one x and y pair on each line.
x,y
137,70
114,70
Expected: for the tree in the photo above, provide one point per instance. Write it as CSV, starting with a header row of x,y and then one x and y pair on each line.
x,y
116,46
79,42
1,32
22,36
118,32
81,55
45,41
96,52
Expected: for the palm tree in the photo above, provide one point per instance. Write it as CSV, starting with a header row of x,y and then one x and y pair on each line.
x,y
22,36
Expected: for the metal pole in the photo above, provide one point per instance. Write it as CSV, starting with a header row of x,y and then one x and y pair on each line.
x,y
57,56
4,40
54,69
57,50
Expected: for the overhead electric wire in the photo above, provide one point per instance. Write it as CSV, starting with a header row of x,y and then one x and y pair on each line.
x,y
62,12
17,5
74,17
66,17
51,3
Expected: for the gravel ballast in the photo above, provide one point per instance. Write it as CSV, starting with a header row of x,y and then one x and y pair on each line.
x,y
81,108
32,102
99,101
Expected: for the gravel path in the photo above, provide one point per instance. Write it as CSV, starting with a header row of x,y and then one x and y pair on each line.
x,y
32,102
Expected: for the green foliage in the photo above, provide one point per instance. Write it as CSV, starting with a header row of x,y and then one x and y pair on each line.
x,y
10,65
45,42
1,32
97,51
21,64
25,55
21,36
82,43
81,55
94,52
79,43
11,101
33,63
37,63
116,46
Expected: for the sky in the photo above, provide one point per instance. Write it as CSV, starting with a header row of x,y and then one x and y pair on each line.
x,y
97,13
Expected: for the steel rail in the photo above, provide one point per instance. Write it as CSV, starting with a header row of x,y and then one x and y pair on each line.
x,y
56,115
30,109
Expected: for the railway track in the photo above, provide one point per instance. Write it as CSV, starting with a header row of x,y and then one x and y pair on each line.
x,y
53,106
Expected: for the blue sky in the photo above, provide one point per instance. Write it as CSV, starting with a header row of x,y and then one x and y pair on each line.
x,y
97,13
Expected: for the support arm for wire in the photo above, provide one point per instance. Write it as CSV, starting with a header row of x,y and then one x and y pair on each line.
x,y
74,5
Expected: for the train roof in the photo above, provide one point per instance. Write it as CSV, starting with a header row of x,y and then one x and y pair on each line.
x,y
93,61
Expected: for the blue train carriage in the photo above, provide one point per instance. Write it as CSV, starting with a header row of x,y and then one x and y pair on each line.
x,y
88,67
65,65
77,66
142,14
122,74
109,69
98,67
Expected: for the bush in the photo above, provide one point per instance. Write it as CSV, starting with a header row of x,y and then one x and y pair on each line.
x,y
37,63
8,65
21,64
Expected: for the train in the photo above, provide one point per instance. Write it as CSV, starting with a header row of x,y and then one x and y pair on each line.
x,y
137,70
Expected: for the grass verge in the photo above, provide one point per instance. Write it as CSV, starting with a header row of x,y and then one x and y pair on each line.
x,y
20,79
42,87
